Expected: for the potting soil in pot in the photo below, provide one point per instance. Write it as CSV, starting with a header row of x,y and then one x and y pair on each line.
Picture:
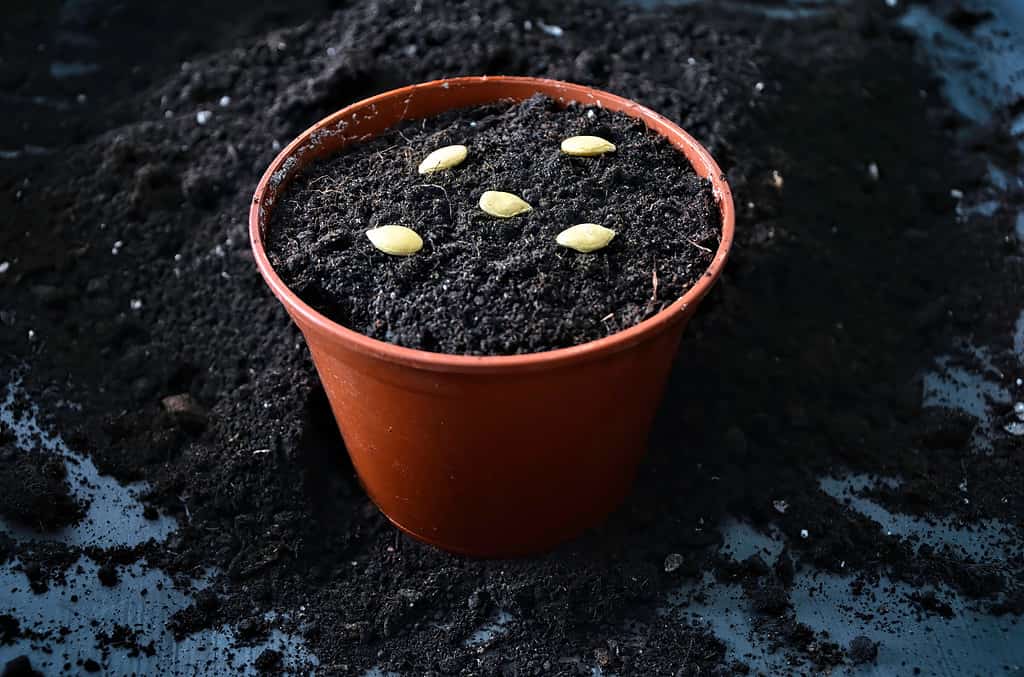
x,y
861,274
483,283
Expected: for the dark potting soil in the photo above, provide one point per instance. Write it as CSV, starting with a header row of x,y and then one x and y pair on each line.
x,y
33,487
20,667
485,285
130,280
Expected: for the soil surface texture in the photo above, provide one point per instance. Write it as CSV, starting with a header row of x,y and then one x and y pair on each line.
x,y
131,312
33,487
487,285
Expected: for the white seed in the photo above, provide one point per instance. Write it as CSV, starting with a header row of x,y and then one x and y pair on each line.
x,y
587,146
443,158
395,240
503,205
586,237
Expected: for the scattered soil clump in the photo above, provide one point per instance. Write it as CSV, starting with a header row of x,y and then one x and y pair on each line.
x,y
34,490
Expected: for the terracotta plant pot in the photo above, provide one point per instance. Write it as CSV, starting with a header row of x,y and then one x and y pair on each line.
x,y
488,456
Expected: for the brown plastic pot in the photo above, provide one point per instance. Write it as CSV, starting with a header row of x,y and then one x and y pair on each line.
x,y
501,455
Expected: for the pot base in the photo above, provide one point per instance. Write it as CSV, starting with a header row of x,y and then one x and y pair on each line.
x,y
534,548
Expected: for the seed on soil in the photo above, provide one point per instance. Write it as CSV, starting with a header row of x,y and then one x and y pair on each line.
x,y
587,146
586,237
443,158
503,205
395,240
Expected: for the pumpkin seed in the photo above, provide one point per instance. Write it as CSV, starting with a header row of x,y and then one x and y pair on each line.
x,y
503,205
587,146
395,240
586,237
443,158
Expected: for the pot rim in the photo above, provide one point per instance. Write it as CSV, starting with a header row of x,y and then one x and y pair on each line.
x,y
558,357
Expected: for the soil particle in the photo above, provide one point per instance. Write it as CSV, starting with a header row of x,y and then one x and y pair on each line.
x,y
483,285
199,615
20,667
90,665
34,490
268,661
10,629
966,18
862,650
185,411
672,562
770,598
127,639
107,575
252,630
931,603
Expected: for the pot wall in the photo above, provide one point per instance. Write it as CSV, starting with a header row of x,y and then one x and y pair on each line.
x,y
496,464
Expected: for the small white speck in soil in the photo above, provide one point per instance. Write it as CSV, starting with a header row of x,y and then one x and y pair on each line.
x,y
4,267
224,101
804,533
136,304
551,29
203,116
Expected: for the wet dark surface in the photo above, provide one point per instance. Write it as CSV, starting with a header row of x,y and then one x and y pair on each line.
x,y
969,641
